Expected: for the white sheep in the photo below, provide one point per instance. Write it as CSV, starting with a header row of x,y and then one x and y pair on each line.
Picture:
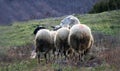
x,y
33,53
69,21
43,43
80,39
60,40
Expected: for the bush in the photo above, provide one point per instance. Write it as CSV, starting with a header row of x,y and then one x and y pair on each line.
x,y
106,5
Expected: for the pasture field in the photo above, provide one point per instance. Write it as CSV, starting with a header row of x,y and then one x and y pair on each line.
x,y
16,42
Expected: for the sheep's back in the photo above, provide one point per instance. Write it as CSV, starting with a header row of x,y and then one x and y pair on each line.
x,y
62,33
53,34
80,29
79,36
43,34
43,40
61,36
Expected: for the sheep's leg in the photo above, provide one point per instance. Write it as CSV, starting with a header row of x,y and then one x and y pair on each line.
x,y
45,55
76,58
83,56
58,54
86,51
64,54
54,54
64,51
61,54
80,57
49,57
66,57
73,56
38,54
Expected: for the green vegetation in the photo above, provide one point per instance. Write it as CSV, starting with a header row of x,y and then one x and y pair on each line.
x,y
21,33
106,5
20,66
32,65
106,22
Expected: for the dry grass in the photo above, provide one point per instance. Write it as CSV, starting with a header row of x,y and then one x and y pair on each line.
x,y
104,51
16,53
112,56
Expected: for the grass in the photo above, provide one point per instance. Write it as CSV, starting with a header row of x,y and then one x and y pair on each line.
x,y
32,65
103,21
21,34
20,66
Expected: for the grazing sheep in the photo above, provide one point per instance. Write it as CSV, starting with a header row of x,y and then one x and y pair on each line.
x,y
43,43
80,39
69,21
33,53
62,33
60,40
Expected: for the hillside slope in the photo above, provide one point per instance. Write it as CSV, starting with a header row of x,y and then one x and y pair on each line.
x,y
21,33
17,39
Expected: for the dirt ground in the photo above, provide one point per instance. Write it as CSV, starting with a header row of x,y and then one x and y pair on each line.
x,y
106,48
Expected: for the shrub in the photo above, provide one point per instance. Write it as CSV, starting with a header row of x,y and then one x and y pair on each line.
x,y
106,5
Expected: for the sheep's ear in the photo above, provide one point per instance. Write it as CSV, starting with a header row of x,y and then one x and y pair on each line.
x,y
53,26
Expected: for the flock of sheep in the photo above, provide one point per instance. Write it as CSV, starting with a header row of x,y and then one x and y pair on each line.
x,y
70,38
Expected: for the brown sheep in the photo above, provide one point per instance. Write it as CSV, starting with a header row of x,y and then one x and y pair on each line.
x,y
80,39
43,43
60,40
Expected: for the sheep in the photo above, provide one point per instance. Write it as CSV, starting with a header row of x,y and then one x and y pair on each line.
x,y
43,43
33,53
80,39
60,40
69,21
